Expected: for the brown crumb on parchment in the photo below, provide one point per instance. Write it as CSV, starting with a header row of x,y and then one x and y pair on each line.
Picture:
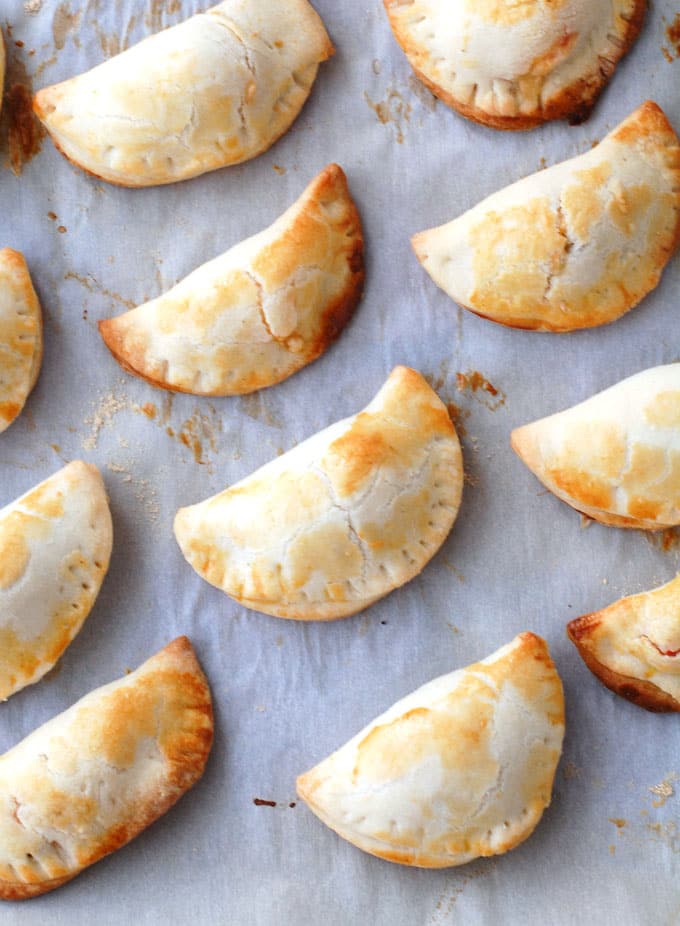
x,y
663,790
481,389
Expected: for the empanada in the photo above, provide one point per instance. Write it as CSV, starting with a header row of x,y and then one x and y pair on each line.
x,y
55,545
258,313
342,519
217,89
461,768
513,64
573,246
91,779
616,456
21,345
633,646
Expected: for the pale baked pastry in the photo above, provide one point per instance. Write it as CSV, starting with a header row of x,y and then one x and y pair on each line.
x,y
633,646
91,779
616,456
461,768
55,546
342,519
217,89
573,246
258,313
513,64
21,343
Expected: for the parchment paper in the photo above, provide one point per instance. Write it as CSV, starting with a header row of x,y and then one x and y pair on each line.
x,y
286,694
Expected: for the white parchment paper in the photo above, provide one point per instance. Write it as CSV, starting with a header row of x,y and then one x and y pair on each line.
x,y
286,694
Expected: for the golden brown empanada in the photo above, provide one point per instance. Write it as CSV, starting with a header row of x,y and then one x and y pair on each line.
x,y
342,519
217,89
91,779
55,545
21,345
616,456
513,64
633,646
461,768
573,246
258,313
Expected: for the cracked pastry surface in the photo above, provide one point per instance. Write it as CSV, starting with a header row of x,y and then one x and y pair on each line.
x,y
21,345
342,519
616,456
91,779
461,768
215,90
573,246
514,64
633,646
55,546
258,313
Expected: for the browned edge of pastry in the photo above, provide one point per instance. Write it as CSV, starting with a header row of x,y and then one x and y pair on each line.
x,y
575,103
638,691
334,319
186,769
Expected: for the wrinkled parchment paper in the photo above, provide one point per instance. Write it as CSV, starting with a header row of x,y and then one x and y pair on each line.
x,y
286,694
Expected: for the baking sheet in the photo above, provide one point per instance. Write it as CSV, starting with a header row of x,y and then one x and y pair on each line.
x,y
287,694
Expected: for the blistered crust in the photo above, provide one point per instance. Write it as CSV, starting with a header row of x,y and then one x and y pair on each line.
x,y
55,546
461,768
573,246
260,312
616,456
633,646
516,65
21,345
92,778
215,90
342,519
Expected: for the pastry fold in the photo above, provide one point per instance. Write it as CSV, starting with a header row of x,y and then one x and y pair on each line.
x,y
55,545
215,90
616,456
515,65
21,342
633,646
91,779
461,768
342,519
573,246
258,313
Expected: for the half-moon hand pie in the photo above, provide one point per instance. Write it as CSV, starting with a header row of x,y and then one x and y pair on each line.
x,y
461,768
215,90
260,312
513,64
342,519
91,779
55,545
616,456
633,646
572,246
21,343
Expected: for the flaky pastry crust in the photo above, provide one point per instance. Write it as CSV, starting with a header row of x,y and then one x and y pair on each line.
x,y
218,89
342,519
616,456
516,65
91,779
55,546
573,246
461,768
633,647
259,313
21,341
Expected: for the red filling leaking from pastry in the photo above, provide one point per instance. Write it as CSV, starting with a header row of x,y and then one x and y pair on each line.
x,y
661,652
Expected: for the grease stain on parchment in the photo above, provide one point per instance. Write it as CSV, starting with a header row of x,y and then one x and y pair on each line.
x,y
443,912
21,133
255,406
481,389
392,110
65,24
157,12
673,36
667,540
92,285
